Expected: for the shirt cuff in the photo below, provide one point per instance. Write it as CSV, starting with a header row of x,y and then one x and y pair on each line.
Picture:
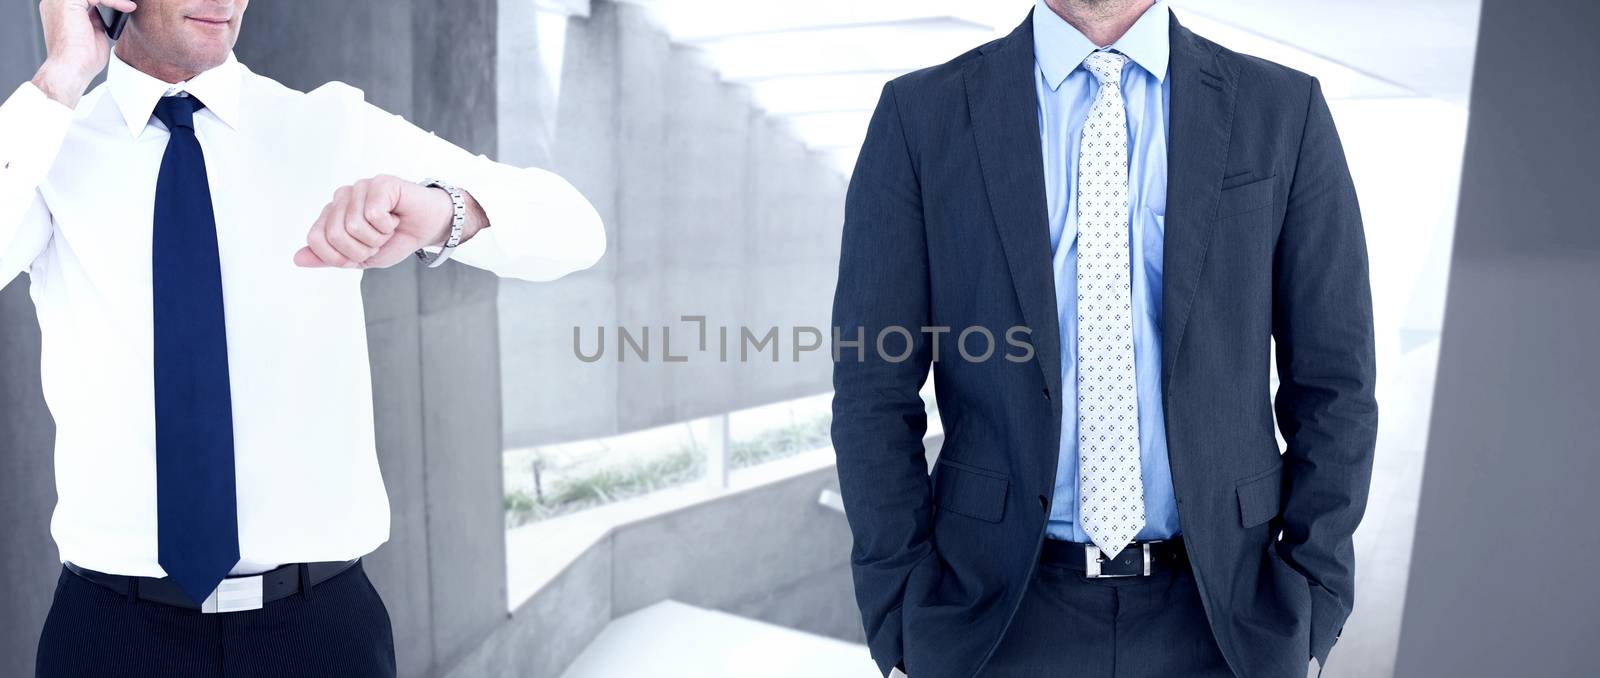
x,y
32,128
540,227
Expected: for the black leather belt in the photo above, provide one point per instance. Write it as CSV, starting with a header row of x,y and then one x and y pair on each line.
x,y
1141,558
234,594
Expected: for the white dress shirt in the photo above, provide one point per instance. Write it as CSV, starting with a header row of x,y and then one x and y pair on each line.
x,y
77,194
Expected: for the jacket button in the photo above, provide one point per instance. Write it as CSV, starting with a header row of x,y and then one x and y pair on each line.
x,y
1047,394
1044,502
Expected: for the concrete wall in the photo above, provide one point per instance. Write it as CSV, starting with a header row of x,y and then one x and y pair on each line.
x,y
28,560
433,334
770,553
1503,576
712,209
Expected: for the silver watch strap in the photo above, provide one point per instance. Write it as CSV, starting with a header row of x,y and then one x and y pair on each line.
x,y
458,221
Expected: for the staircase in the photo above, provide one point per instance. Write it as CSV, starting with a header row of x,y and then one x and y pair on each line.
x,y
674,640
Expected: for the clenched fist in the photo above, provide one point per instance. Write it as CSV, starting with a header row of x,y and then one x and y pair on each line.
x,y
378,222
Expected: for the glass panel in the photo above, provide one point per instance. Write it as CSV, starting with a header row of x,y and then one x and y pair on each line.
x,y
552,480
770,432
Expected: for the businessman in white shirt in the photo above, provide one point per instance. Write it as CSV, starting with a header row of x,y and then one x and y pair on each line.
x,y
194,235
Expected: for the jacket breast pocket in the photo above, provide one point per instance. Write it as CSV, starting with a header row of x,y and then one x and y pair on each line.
x,y
970,491
1245,198
1260,494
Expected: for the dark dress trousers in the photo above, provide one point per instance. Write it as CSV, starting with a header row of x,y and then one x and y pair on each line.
x,y
1072,627
945,226
340,628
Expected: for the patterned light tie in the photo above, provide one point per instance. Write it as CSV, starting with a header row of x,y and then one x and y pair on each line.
x,y
1111,491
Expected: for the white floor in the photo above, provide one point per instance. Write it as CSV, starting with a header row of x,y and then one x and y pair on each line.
x,y
674,640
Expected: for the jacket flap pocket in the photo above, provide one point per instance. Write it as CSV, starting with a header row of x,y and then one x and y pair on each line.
x,y
1259,496
970,491
1247,197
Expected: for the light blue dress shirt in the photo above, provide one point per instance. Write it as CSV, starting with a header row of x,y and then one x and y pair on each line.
x,y
1066,91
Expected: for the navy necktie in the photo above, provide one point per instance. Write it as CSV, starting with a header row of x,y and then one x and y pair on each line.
x,y
197,516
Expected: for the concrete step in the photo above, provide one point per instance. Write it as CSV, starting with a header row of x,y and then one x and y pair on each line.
x,y
674,640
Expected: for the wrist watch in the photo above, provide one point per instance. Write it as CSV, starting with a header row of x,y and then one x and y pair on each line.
x,y
458,221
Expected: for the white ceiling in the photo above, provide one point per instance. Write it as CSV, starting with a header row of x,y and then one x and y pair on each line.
x,y
819,65
1426,46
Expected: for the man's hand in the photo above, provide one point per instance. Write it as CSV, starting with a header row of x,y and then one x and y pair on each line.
x,y
378,222
76,46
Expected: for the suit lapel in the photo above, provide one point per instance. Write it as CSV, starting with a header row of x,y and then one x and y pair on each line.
x,y
1005,120
1004,107
1200,121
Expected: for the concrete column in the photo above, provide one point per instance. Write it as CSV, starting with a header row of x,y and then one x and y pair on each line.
x,y
795,218
432,334
29,562
1503,568
455,94
550,394
712,209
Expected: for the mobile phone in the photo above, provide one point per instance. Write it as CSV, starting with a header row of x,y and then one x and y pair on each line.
x,y
115,21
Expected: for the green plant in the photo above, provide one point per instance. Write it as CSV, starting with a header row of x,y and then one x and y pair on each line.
x,y
518,500
606,485
637,477
779,443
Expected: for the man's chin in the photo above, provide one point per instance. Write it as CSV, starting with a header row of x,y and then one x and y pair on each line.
x,y
203,58
206,47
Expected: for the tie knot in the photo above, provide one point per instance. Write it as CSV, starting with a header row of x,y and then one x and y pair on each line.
x,y
1106,66
178,111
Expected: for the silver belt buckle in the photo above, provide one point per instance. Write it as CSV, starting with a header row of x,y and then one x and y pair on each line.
x,y
1092,557
236,594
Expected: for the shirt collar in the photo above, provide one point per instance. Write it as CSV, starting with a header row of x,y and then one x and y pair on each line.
x,y
137,92
1059,48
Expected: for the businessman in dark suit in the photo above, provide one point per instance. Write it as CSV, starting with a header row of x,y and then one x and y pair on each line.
x,y
1151,210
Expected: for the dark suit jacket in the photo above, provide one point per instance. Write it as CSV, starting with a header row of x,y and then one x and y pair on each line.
x,y
945,225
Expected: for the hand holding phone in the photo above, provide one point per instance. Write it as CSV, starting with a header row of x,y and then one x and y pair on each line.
x,y
76,43
114,20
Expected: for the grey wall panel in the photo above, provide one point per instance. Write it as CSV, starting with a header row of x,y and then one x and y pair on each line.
x,y
526,95
29,562
461,422
363,45
432,334
821,602
642,254
366,43
712,209
1502,575
544,635
22,46
682,228
548,394
455,94
772,554
795,222
401,569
